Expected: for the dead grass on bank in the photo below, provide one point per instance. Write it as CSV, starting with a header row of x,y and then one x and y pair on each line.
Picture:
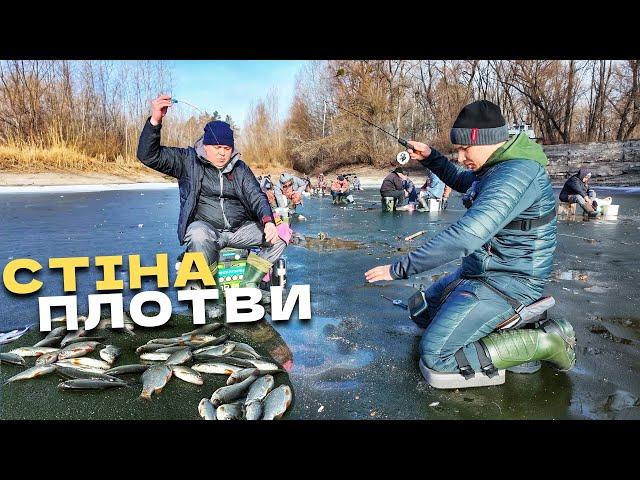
x,y
25,158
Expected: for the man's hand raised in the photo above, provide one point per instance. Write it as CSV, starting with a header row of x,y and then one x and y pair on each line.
x,y
418,150
159,108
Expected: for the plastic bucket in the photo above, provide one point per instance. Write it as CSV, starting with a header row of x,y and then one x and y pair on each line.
x,y
283,213
434,205
610,210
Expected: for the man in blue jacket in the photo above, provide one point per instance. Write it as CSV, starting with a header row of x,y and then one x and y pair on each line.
x,y
507,239
221,202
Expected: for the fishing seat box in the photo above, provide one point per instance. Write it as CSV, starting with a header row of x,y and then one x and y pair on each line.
x,y
566,209
441,380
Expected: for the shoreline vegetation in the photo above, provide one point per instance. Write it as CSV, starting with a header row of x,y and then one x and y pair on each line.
x,y
62,118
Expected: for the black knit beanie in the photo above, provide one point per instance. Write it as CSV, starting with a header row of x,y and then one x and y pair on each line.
x,y
479,123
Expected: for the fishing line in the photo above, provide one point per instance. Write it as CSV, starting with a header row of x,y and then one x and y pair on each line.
x,y
175,100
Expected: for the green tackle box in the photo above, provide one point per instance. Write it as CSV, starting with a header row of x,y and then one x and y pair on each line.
x,y
231,265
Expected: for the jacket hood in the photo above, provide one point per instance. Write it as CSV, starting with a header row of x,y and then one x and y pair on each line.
x,y
285,177
521,147
202,156
583,172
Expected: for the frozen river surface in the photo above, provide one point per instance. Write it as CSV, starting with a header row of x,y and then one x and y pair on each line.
x,y
357,357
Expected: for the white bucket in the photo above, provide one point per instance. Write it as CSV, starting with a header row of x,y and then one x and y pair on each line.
x,y
283,212
610,210
434,205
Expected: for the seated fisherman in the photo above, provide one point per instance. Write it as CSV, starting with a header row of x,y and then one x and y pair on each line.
x,y
393,186
308,187
265,182
506,239
576,190
412,194
434,186
267,187
322,184
339,189
356,183
410,188
221,203
289,191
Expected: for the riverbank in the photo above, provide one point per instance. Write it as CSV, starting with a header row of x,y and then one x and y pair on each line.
x,y
14,179
369,177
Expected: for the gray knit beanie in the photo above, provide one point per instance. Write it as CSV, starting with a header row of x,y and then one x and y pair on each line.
x,y
479,123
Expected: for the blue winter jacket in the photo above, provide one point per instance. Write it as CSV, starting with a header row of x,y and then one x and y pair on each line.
x,y
511,189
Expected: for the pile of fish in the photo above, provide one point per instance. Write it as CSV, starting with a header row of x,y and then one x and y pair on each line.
x,y
248,394
64,352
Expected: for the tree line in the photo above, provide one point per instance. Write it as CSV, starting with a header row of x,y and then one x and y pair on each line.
x,y
93,107
565,101
98,107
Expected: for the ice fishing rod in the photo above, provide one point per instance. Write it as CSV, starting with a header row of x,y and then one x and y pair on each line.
x,y
402,157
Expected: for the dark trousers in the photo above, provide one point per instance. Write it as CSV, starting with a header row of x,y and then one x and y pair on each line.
x,y
397,194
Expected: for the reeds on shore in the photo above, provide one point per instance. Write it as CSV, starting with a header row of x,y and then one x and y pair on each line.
x,y
51,153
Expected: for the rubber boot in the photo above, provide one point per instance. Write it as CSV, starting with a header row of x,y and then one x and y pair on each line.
x,y
527,367
553,342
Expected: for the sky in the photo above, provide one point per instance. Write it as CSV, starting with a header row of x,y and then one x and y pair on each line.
x,y
232,86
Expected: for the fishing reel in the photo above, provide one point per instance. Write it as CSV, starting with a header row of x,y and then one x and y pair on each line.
x,y
403,157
